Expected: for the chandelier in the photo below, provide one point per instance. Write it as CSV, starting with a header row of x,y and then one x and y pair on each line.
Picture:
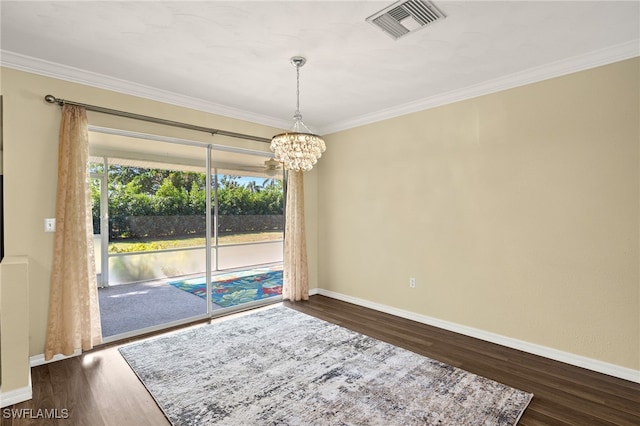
x,y
298,149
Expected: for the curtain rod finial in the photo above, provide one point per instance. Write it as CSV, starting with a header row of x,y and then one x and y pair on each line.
x,y
53,100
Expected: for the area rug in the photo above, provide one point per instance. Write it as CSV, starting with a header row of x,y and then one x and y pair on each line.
x,y
235,288
281,367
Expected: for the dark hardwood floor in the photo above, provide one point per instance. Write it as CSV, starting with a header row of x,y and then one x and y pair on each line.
x,y
99,388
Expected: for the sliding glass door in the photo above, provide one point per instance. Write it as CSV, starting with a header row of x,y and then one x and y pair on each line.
x,y
182,231
249,237
250,220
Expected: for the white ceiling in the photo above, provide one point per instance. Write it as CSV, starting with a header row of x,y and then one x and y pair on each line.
x,y
232,57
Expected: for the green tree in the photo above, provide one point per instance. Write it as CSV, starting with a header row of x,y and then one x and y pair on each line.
x,y
170,200
135,191
197,199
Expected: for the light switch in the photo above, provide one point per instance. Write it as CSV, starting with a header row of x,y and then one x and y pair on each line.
x,y
50,224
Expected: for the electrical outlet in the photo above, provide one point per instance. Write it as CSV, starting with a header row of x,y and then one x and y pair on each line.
x,y
50,225
412,282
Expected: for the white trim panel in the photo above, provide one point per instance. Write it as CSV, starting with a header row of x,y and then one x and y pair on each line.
x,y
16,396
36,360
566,357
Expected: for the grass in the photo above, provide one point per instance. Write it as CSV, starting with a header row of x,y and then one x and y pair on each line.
x,y
141,245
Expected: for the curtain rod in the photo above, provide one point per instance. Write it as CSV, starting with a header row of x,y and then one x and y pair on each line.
x,y
53,100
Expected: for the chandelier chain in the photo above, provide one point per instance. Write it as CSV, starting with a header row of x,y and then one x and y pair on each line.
x,y
297,115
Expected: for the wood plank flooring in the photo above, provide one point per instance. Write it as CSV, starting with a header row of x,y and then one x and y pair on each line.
x,y
99,388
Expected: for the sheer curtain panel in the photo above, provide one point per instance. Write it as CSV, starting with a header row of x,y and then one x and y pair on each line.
x,y
74,315
296,274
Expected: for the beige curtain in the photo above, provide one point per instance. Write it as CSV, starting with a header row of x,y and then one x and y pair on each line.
x,y
296,275
74,316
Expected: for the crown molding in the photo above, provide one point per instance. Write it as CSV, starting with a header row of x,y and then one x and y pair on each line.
x,y
88,78
559,68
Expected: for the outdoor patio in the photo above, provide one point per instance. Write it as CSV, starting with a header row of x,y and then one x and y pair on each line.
x,y
127,308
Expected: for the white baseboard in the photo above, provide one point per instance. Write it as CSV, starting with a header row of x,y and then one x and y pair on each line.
x,y
36,360
555,354
566,357
16,396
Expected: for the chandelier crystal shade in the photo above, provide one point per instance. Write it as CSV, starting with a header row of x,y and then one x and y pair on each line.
x,y
298,149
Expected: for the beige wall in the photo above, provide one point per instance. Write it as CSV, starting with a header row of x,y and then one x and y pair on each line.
x,y
30,158
14,326
517,213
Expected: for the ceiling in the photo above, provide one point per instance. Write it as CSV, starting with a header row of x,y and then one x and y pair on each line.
x,y
232,57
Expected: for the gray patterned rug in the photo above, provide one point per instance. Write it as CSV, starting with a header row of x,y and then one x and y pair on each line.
x,y
282,367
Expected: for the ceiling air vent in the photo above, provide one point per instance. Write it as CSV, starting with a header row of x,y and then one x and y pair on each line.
x,y
405,16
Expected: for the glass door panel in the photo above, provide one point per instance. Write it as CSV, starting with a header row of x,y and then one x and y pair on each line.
x,y
156,234
247,255
250,216
249,233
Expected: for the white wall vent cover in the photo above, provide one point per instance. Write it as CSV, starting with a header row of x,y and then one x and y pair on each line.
x,y
405,16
